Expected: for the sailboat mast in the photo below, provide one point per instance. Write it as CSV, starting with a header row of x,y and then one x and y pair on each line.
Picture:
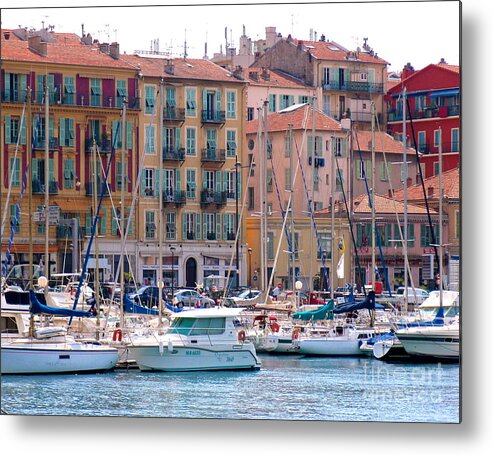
x,y
311,204
263,202
29,187
404,186
46,261
332,216
440,214
122,211
95,192
291,208
372,193
160,216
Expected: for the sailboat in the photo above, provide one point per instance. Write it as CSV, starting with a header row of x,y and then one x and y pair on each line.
x,y
438,339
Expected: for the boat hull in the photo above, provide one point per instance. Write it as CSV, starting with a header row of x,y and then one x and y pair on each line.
x,y
57,359
439,346
196,358
330,346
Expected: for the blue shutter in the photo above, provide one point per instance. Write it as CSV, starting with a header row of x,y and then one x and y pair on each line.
x,y
62,132
177,180
23,131
218,100
103,222
204,100
23,87
158,182
218,181
129,136
184,226
7,85
198,227
218,226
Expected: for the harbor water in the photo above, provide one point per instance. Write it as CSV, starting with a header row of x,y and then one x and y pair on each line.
x,y
289,387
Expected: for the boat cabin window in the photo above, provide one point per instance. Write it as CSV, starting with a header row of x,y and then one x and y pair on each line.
x,y
8,325
199,326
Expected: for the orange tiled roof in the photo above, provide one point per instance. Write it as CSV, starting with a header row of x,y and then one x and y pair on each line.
x,y
276,78
383,142
385,204
450,182
182,68
66,50
329,50
279,121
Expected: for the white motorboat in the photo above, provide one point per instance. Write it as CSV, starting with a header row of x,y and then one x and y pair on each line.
x,y
49,350
205,339
438,341
338,340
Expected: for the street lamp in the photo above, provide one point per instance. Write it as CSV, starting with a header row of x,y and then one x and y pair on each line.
x,y
172,249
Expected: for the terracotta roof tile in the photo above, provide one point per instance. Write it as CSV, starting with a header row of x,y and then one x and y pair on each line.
x,y
383,142
325,50
276,78
66,50
298,117
385,204
450,182
182,68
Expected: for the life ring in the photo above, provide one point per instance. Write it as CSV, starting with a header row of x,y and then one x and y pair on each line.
x,y
241,336
117,335
296,333
274,326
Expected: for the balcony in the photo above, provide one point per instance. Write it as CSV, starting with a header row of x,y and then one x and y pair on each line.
x,y
447,147
213,197
103,144
176,197
355,116
353,86
213,117
428,112
215,156
99,188
39,187
40,143
173,114
173,154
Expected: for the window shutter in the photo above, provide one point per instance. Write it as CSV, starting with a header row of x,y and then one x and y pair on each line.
x,y
410,234
130,224
423,236
51,124
7,84
143,183
309,142
103,222
39,88
8,139
23,131
184,226
34,164
23,87
291,100
62,132
51,168
177,180
197,234
129,136
204,221
158,182
218,100
178,138
218,181
204,100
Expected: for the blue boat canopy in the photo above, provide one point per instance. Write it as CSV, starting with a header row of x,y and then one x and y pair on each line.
x,y
367,304
37,308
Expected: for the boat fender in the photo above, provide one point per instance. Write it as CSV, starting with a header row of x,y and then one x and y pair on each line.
x,y
117,335
161,348
275,327
296,333
241,336
170,346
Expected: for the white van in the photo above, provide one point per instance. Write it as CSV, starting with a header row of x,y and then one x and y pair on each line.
x,y
416,297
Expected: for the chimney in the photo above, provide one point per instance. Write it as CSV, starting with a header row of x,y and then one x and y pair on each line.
x,y
430,191
104,48
169,67
35,44
115,50
253,75
265,75
442,62
238,73
6,35
407,71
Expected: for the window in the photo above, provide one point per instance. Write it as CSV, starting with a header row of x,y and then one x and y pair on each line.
x,y
231,143
251,198
191,183
272,103
250,113
326,104
384,173
326,76
270,245
363,169
210,226
191,141
148,183
191,226
286,101
231,105
15,87
150,139
191,102
40,87
67,132
269,180
303,99
170,97
437,136
96,93
229,226
340,145
121,92
12,126
150,98
426,237
68,90
340,180
15,218
455,140
170,226
68,174
420,102
231,184
119,175
116,135
15,171
150,224
422,141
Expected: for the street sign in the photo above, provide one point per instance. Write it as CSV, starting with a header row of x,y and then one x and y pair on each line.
x,y
53,215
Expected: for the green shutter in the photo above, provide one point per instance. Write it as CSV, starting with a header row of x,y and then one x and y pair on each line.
x,y
62,132
34,165
7,83
102,224
129,136
218,181
51,124
39,88
218,100
8,139
23,130
423,236
178,138
411,235
177,180
198,227
158,182
23,87
218,226
291,100
204,100
51,167
184,226
114,222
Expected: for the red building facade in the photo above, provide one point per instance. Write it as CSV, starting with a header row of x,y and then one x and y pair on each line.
x,y
433,117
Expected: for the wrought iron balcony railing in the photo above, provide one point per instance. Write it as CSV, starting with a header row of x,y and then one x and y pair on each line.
x,y
213,155
213,197
213,116
173,154
352,86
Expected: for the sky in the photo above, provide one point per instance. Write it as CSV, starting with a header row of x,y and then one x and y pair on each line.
x,y
399,32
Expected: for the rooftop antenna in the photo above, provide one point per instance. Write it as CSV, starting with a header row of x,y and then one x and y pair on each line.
x,y
205,47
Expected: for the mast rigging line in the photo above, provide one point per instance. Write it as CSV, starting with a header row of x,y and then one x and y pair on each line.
x,y
420,173
370,202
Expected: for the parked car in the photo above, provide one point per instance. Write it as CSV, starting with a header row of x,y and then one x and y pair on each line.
x,y
147,296
246,298
416,298
192,299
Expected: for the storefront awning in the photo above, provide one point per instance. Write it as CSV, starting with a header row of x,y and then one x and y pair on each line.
x,y
448,92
